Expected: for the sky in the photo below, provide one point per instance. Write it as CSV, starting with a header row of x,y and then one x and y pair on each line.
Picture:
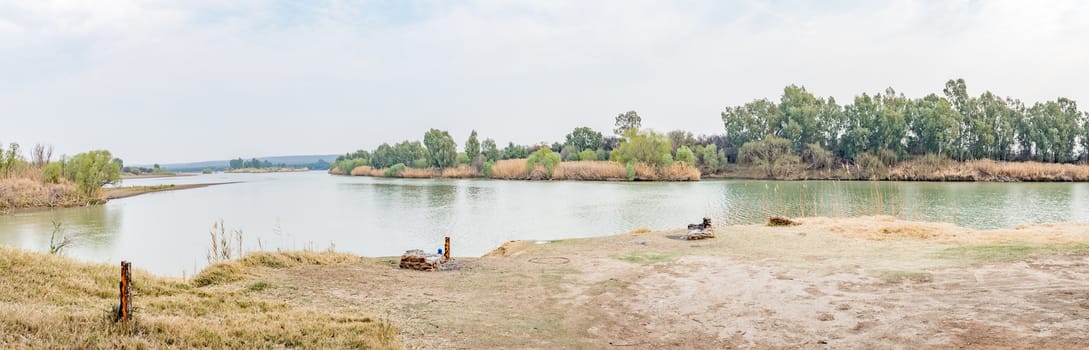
x,y
179,81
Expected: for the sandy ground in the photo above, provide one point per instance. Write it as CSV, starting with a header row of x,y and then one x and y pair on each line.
x,y
828,284
124,192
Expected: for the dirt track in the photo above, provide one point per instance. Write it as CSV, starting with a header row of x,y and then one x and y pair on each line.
x,y
809,286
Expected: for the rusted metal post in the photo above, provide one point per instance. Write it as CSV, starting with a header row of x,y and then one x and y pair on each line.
x,y
446,249
124,311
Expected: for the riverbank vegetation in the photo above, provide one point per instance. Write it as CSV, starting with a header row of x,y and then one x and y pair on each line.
x,y
885,136
42,182
954,136
585,155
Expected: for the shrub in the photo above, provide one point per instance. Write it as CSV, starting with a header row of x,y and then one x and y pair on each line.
x,y
545,158
419,163
685,155
602,155
488,169
645,147
629,170
92,170
869,166
588,155
395,170
51,173
710,159
817,157
772,154
571,157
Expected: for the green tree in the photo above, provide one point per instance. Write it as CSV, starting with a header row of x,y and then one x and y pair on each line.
x,y
94,169
472,146
588,155
545,158
489,150
584,138
685,155
709,157
644,147
627,121
441,147
772,154
569,153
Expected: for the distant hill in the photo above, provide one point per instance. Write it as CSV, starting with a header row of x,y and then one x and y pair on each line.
x,y
299,161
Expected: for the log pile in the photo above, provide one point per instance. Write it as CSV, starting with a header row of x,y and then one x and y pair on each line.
x,y
418,260
702,230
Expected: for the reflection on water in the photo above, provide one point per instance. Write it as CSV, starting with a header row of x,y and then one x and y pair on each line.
x,y
167,232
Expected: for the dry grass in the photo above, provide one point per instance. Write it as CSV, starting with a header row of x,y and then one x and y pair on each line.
x,y
510,169
367,171
889,228
590,170
461,172
680,172
51,302
27,192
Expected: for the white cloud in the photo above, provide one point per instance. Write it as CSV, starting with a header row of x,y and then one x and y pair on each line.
x,y
179,81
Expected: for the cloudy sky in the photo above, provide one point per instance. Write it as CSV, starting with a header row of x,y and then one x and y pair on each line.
x,y
175,81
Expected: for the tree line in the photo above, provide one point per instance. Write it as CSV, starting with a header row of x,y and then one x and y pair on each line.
x,y
891,127
800,128
629,144
88,171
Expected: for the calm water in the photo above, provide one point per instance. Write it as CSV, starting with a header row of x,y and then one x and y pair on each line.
x,y
167,232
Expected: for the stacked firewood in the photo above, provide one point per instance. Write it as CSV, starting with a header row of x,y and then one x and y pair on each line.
x,y
700,231
418,260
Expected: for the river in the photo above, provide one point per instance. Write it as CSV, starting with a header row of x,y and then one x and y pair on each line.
x,y
167,232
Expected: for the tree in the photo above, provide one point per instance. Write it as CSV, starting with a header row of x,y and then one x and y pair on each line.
x,y
472,146
545,158
489,150
772,155
685,155
513,151
681,138
584,138
627,121
441,147
645,147
588,155
92,170
709,156
569,153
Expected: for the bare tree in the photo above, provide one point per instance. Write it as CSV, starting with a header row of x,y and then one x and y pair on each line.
x,y
41,155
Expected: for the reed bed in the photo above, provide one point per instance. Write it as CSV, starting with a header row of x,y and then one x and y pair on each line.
x,y
367,171
930,168
590,170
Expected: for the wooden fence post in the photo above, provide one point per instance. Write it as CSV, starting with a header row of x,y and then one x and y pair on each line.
x,y
124,310
446,249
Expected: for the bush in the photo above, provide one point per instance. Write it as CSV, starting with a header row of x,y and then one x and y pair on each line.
x,y
772,154
685,155
710,159
645,147
602,155
588,155
419,163
629,169
395,170
870,166
51,173
488,169
206,171
572,157
545,158
817,157
92,170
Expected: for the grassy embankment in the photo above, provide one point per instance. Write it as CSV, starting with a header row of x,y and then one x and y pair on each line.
x,y
515,169
54,302
927,169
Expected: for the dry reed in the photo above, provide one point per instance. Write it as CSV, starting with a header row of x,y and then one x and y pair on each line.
x,y
515,169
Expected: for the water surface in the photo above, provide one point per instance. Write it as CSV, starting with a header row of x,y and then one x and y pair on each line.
x,y
167,232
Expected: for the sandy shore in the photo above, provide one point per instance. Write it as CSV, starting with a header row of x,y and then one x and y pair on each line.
x,y
857,283
155,176
123,192
829,283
